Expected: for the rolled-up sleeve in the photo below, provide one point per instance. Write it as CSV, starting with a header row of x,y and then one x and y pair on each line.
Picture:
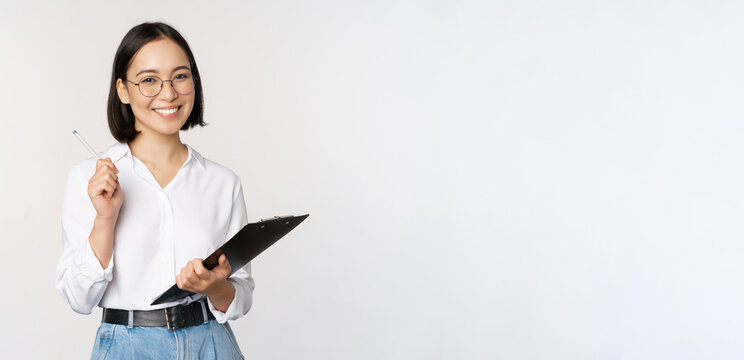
x,y
80,278
241,280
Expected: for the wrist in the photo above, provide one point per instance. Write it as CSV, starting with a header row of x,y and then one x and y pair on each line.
x,y
222,295
219,289
106,220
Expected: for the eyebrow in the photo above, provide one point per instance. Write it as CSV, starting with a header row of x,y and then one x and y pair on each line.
x,y
153,71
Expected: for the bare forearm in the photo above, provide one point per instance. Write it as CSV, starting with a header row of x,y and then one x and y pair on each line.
x,y
102,239
222,296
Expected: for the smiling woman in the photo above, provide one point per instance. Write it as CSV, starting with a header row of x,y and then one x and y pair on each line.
x,y
143,212
161,52
162,58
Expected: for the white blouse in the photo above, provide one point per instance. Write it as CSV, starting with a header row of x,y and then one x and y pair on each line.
x,y
158,231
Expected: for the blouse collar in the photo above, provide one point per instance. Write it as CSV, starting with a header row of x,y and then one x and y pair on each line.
x,y
121,149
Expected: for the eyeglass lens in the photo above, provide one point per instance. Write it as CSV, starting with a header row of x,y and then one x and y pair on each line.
x,y
182,84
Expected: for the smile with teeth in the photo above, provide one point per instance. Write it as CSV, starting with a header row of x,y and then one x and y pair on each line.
x,y
167,111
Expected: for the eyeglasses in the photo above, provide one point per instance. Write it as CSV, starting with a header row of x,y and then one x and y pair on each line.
x,y
151,85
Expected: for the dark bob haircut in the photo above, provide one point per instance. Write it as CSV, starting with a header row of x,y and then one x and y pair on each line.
x,y
120,116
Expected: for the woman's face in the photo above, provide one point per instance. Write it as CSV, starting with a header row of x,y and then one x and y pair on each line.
x,y
165,59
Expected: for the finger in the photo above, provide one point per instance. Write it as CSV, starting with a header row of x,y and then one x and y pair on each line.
x,y
96,184
111,163
112,183
106,174
117,189
199,269
104,165
104,189
108,183
188,280
223,269
224,264
113,179
102,175
111,175
112,167
190,274
182,283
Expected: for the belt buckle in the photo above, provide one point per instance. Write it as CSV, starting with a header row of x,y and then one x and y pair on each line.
x,y
175,324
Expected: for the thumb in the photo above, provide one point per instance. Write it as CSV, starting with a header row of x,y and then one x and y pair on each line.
x,y
224,265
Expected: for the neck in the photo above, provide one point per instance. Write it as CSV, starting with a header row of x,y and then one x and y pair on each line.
x,y
158,148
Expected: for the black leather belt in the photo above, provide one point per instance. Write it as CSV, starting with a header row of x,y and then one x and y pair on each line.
x,y
175,318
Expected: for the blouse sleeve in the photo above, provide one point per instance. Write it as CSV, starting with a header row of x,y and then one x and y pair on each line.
x,y
80,278
241,280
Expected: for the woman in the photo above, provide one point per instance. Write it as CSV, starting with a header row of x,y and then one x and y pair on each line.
x,y
141,218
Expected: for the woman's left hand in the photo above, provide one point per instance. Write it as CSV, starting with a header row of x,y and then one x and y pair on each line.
x,y
196,278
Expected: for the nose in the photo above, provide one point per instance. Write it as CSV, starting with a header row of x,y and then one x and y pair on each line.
x,y
168,92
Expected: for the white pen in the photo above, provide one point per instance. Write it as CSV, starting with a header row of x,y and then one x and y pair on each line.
x,y
74,132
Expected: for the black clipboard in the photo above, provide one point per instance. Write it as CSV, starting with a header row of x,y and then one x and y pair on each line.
x,y
250,241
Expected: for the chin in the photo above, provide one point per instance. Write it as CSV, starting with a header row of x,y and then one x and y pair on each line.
x,y
163,130
170,131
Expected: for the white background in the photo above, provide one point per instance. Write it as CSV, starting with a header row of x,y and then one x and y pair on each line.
x,y
486,180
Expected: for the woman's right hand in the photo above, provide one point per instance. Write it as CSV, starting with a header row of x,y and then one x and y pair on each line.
x,y
104,190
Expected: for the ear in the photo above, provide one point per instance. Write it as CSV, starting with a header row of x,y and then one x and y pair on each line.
x,y
121,89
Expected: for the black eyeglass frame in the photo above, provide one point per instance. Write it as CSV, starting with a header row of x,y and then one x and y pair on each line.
x,y
162,82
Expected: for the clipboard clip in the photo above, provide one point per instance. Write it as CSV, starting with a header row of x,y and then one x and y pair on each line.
x,y
276,217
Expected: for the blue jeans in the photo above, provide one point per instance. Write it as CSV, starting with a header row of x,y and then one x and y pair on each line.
x,y
206,341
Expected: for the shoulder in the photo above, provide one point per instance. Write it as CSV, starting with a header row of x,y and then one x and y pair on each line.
x,y
214,169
